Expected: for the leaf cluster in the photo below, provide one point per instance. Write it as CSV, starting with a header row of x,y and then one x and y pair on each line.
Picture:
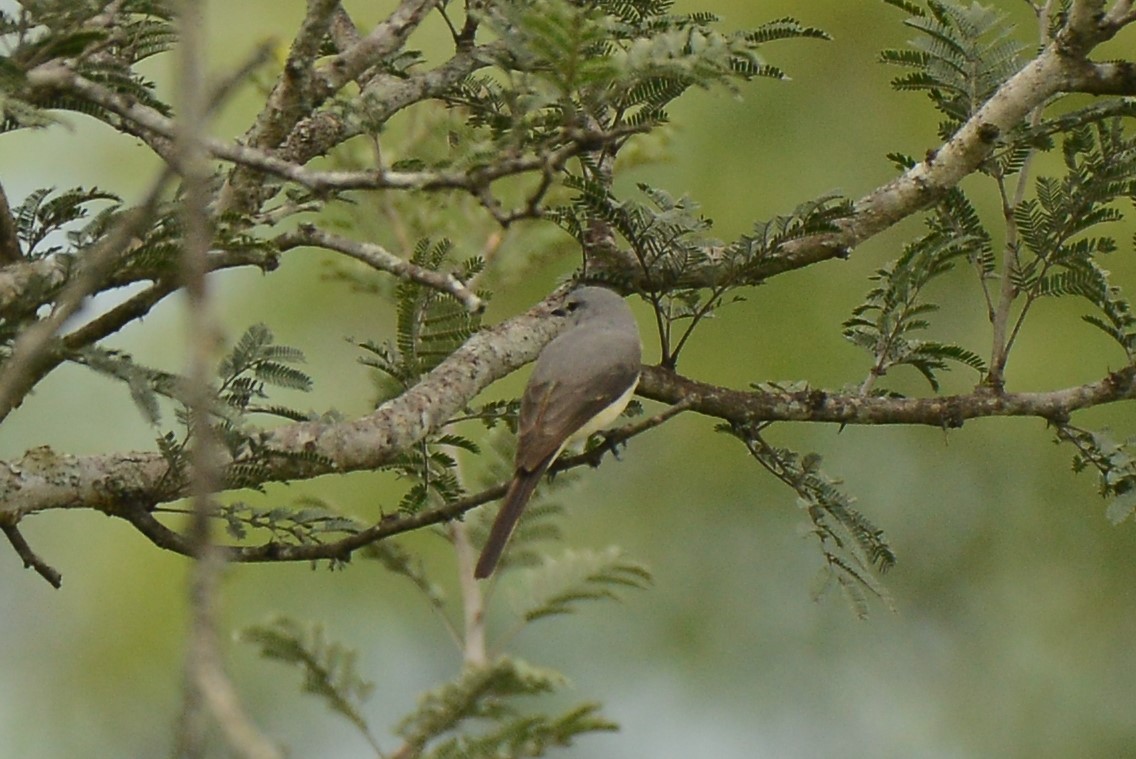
x,y
668,238
483,693
430,325
540,524
853,548
961,55
147,385
561,584
329,669
254,364
896,307
445,721
1114,462
46,214
1057,257
613,63
100,45
311,523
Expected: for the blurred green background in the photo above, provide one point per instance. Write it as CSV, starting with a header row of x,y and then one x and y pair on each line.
x,y
1016,603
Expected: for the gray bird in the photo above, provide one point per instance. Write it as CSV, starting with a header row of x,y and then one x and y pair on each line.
x,y
581,383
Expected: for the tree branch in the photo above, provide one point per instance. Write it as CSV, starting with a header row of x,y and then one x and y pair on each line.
x,y
378,257
1060,67
291,99
845,408
27,285
208,686
111,483
572,142
9,243
129,485
29,557
385,96
26,364
383,40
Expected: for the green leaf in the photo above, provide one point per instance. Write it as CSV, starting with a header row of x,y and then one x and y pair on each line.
x,y
962,54
476,693
328,668
853,549
559,585
1122,506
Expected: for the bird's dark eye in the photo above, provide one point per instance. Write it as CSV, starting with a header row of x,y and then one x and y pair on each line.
x,y
567,308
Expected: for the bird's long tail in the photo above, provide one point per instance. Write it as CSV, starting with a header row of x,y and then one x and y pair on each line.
x,y
512,506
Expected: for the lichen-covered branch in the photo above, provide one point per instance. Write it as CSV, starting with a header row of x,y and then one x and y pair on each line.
x,y
44,479
816,405
1061,67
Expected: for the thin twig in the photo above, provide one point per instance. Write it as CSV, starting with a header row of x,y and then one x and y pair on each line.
x,y
571,142
30,558
378,257
118,317
619,435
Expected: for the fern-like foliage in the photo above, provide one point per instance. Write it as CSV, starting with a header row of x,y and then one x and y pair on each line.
x,y
47,214
853,548
429,327
1058,256
669,239
960,56
102,49
539,525
328,668
1114,462
399,561
614,63
311,521
256,362
481,693
529,735
559,585
146,385
894,309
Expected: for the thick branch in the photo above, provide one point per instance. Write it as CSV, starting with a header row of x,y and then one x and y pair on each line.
x,y
119,484
1060,67
383,40
385,96
116,483
290,99
26,285
745,407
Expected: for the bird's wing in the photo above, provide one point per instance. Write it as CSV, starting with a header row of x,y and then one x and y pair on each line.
x,y
553,409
